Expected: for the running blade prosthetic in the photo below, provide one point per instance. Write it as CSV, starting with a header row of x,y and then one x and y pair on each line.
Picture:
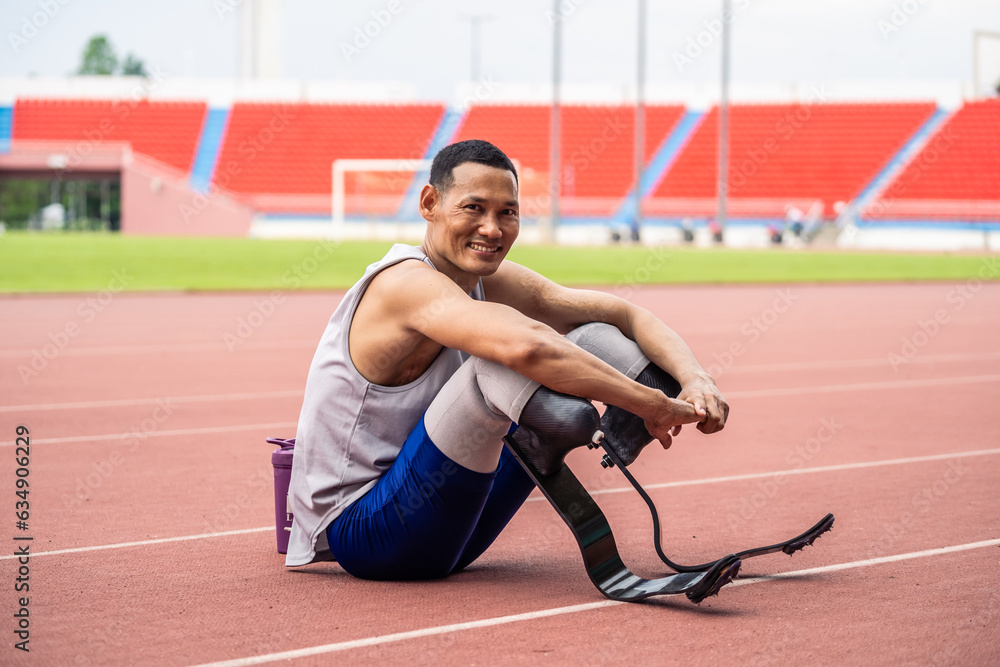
x,y
611,459
597,544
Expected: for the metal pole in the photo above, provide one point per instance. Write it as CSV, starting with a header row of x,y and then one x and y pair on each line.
x,y
247,33
476,51
549,231
106,204
724,121
975,64
976,36
476,44
640,119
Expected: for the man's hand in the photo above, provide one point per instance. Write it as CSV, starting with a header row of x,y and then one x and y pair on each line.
x,y
666,417
708,402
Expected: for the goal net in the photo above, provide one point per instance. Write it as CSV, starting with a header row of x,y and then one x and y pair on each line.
x,y
377,199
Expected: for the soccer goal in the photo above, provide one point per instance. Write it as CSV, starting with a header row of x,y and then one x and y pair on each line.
x,y
377,199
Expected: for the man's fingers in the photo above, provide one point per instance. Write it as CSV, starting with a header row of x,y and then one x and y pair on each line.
x,y
686,413
666,442
718,411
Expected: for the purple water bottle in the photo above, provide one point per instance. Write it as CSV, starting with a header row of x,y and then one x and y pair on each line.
x,y
281,459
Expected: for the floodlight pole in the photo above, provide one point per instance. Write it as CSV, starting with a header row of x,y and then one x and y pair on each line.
x,y
976,36
476,44
477,47
640,119
549,231
724,120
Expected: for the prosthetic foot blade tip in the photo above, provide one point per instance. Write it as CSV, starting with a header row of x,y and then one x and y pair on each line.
x,y
727,574
807,540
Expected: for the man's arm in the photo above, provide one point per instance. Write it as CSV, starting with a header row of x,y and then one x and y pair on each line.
x,y
419,299
564,309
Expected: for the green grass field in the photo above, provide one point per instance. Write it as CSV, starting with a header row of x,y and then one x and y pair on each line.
x,y
83,262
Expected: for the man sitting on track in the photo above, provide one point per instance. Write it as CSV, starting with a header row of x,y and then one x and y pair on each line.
x,y
400,470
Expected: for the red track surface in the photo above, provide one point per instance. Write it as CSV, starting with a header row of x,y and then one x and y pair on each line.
x,y
199,467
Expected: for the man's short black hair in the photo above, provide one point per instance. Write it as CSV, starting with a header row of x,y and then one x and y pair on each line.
x,y
473,150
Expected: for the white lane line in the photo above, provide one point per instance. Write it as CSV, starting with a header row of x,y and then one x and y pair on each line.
x,y
859,363
691,482
379,640
794,471
163,540
120,402
805,471
753,393
156,349
863,386
868,562
155,434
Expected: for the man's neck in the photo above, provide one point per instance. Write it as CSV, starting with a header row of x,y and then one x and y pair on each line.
x,y
467,281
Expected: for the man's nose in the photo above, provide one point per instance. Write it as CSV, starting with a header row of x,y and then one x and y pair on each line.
x,y
490,225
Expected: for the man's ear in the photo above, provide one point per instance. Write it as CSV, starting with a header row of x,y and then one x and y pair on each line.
x,y
430,199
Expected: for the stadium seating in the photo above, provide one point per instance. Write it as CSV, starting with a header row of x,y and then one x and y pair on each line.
x,y
281,154
790,153
596,148
165,131
957,169
278,156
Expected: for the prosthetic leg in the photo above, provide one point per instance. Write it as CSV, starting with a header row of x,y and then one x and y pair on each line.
x,y
551,425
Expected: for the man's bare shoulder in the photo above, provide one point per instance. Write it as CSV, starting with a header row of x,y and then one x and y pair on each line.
x,y
407,282
401,271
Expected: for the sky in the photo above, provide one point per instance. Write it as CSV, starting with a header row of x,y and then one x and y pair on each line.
x,y
427,43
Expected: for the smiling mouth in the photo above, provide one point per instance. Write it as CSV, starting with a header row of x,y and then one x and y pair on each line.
x,y
479,247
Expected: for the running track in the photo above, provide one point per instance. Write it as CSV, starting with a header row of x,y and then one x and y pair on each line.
x,y
151,504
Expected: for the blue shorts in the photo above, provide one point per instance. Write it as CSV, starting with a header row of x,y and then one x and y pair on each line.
x,y
427,516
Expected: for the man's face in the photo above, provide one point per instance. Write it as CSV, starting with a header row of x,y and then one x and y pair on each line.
x,y
473,223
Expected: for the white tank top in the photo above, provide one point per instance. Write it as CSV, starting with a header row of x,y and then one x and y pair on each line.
x,y
350,430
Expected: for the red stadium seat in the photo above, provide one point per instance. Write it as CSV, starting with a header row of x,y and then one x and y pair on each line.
x,y
286,151
780,153
165,131
962,161
596,148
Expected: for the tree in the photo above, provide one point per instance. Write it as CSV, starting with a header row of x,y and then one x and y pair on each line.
x,y
98,57
133,66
